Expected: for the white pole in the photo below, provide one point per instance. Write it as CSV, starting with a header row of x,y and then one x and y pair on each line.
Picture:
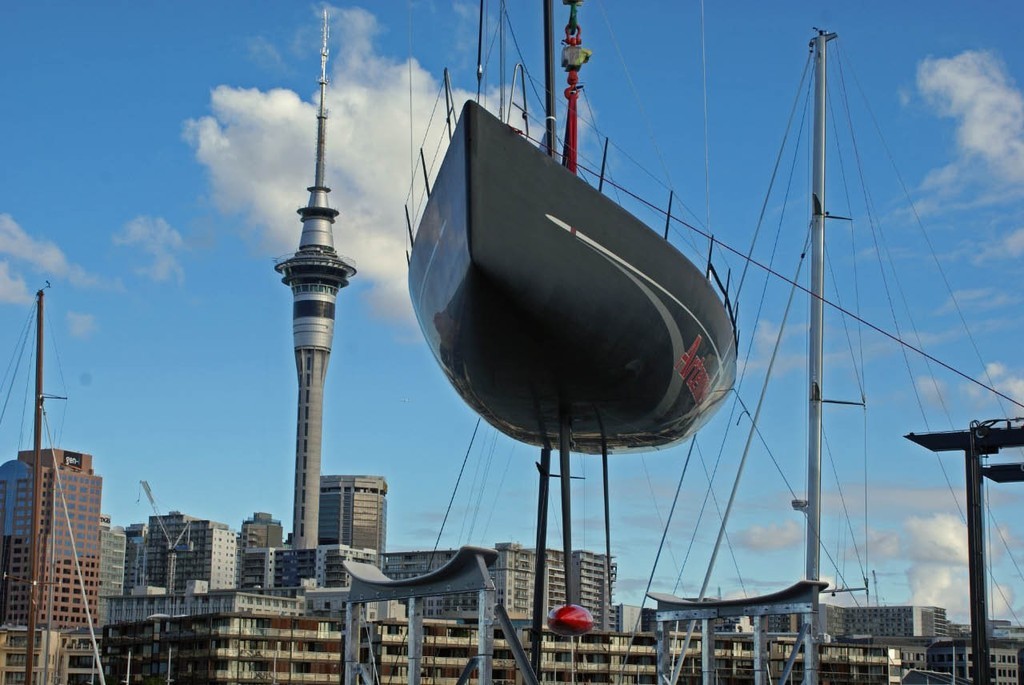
x,y
815,355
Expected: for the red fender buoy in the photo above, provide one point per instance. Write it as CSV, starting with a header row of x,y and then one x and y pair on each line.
x,y
570,620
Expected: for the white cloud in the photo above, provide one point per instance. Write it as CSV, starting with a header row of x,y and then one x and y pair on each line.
x,y
770,537
939,585
788,358
1006,381
933,392
42,256
81,325
940,538
262,52
977,299
936,547
258,150
1010,246
1002,378
12,288
155,237
975,89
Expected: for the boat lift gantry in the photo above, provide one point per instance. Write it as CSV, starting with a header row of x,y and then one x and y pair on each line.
x,y
467,571
800,598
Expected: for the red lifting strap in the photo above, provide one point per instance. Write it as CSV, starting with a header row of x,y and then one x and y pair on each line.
x,y
569,150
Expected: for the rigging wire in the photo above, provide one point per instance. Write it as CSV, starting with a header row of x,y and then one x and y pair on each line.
x,y
10,375
737,398
860,371
60,374
636,97
709,494
743,459
500,488
1009,553
538,98
59,482
707,138
775,170
412,117
934,256
454,492
860,389
721,518
894,337
657,556
657,510
668,182
875,231
480,484
846,509
767,448
411,194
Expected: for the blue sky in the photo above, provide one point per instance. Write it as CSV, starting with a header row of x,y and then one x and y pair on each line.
x,y
152,156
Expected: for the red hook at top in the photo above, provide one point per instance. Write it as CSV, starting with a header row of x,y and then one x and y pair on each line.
x,y
573,37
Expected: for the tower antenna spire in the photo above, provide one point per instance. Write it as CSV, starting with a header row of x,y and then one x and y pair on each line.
x,y
321,117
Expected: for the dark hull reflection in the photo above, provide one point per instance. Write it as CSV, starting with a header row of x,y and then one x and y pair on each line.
x,y
538,295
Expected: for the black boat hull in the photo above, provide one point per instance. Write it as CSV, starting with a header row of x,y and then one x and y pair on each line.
x,y
541,297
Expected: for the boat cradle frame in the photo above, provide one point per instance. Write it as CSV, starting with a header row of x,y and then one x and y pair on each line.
x,y
467,571
798,598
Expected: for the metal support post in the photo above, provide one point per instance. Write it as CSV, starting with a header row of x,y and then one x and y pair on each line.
x,y
415,608
572,595
760,651
540,562
976,569
485,636
663,647
353,627
809,630
707,649
788,668
984,438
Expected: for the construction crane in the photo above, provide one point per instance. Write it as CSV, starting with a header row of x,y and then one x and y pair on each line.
x,y
172,547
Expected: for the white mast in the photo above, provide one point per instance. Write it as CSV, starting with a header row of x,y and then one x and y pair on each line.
x,y
815,355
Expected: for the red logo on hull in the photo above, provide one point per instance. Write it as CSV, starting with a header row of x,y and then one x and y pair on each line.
x,y
691,369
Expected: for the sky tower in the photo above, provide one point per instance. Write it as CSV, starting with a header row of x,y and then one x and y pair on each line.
x,y
315,274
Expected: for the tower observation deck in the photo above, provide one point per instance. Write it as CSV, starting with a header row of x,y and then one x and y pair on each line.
x,y
315,274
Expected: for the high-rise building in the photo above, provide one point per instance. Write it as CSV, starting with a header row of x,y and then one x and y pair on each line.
x,y
261,530
112,552
595,577
895,620
135,536
68,478
189,548
264,568
315,274
354,511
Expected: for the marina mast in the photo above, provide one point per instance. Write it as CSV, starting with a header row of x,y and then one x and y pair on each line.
x,y
815,355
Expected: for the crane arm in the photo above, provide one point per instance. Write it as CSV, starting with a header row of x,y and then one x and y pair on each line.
x,y
180,536
156,510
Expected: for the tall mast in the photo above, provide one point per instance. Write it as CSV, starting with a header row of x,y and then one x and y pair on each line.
x,y
815,353
549,75
35,528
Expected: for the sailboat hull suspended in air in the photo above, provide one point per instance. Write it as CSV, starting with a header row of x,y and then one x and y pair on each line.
x,y
540,297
